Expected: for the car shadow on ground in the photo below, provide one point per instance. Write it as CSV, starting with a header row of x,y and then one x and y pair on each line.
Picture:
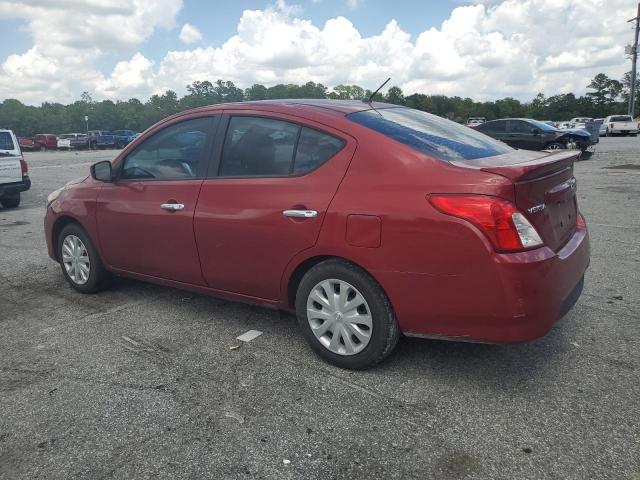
x,y
488,365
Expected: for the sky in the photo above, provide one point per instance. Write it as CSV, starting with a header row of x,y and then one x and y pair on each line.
x,y
53,50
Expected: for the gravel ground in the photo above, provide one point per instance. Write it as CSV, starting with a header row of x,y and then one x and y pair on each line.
x,y
140,382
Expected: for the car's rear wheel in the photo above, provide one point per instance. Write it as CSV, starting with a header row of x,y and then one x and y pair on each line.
x,y
11,202
80,262
607,133
345,315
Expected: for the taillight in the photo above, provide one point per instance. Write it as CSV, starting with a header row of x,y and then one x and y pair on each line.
x,y
502,223
580,223
24,167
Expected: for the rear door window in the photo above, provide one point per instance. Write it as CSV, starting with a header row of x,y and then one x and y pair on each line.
x,y
258,146
621,118
266,147
430,134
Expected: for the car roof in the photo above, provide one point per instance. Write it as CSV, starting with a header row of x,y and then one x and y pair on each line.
x,y
322,110
342,107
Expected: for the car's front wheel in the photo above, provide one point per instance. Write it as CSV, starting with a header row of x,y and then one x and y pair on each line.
x,y
556,146
345,315
80,262
11,202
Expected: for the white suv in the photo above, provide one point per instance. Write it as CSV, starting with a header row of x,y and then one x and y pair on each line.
x,y
14,173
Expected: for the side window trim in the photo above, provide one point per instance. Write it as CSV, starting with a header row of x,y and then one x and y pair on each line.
x,y
221,134
214,121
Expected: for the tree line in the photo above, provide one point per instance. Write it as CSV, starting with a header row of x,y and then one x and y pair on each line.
x,y
606,97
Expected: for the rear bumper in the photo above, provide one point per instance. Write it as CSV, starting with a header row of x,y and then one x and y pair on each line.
x,y
10,189
517,298
623,131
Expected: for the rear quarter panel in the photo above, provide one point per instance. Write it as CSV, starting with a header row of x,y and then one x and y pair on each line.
x,y
429,264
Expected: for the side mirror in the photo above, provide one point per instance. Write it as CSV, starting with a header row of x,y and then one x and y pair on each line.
x,y
535,131
102,171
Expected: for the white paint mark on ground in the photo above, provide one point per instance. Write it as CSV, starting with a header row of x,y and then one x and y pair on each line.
x,y
250,335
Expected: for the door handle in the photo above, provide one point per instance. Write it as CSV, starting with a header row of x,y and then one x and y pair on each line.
x,y
300,213
172,207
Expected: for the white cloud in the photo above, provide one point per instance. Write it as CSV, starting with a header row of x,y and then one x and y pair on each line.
x,y
190,34
486,50
70,37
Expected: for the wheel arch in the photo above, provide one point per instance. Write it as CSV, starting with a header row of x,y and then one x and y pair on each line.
x,y
307,264
59,224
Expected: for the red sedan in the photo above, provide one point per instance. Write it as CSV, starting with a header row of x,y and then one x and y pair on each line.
x,y
366,219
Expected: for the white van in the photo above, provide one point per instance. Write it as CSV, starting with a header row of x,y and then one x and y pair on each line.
x,y
14,173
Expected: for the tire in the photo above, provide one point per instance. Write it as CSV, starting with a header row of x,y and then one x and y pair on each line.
x,y
98,277
556,146
586,155
372,306
607,134
43,148
11,202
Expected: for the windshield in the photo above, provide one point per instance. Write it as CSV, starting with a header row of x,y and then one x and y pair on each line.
x,y
6,141
430,134
621,118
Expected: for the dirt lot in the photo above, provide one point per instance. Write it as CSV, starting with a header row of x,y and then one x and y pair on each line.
x,y
140,382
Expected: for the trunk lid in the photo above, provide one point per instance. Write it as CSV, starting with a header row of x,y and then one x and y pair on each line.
x,y
544,189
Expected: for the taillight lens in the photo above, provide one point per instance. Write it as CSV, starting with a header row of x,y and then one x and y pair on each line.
x,y
580,223
503,224
24,167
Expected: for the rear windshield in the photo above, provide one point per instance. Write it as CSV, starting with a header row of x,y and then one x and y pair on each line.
x,y
6,142
430,134
621,118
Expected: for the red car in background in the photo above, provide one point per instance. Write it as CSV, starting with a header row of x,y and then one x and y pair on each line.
x,y
26,144
367,220
45,141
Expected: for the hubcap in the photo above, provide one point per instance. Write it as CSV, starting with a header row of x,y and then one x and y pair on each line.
x,y
75,259
339,317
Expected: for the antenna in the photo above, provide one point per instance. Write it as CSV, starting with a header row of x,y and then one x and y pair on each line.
x,y
370,99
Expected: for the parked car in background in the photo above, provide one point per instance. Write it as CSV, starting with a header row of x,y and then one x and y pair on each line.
x,y
101,139
45,141
14,172
73,141
26,144
563,125
619,125
465,237
475,121
580,122
124,137
529,134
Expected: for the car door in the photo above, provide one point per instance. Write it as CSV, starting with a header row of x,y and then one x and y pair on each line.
x,y
145,217
520,135
275,180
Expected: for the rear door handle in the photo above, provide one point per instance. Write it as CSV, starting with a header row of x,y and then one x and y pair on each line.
x,y
172,207
300,213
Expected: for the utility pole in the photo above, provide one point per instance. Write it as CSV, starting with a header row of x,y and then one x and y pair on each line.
x,y
634,59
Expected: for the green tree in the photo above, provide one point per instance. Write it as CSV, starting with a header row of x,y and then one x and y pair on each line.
x,y
255,92
395,96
